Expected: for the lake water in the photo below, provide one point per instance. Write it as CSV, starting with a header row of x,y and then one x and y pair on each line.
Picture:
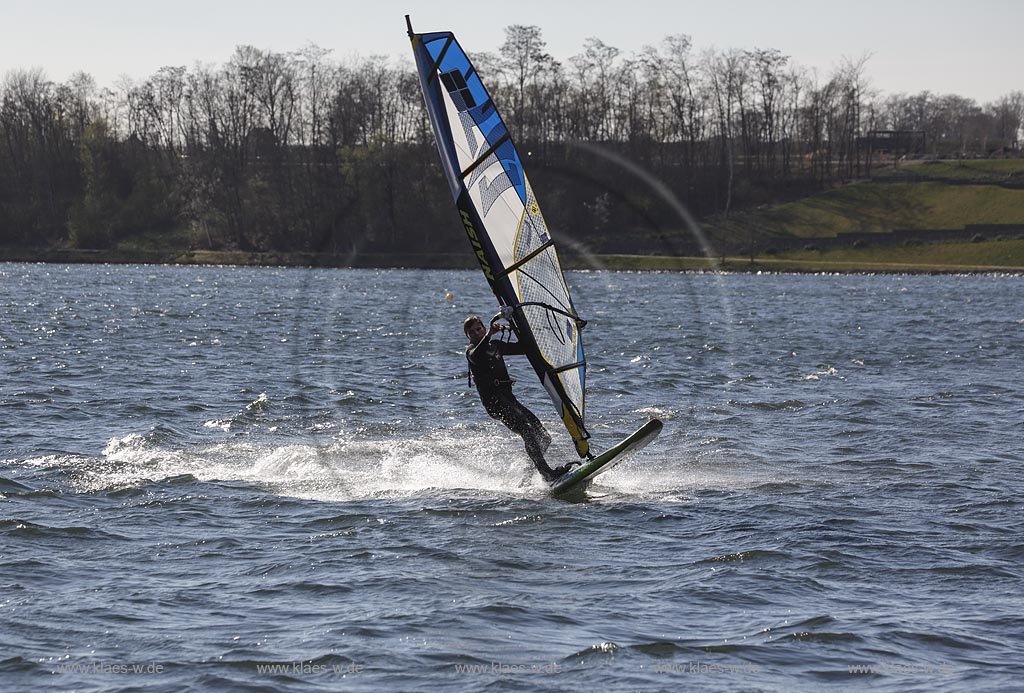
x,y
255,479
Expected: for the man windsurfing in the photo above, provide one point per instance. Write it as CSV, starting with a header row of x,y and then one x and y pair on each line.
x,y
487,366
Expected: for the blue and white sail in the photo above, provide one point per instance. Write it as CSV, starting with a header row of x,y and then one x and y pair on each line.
x,y
504,223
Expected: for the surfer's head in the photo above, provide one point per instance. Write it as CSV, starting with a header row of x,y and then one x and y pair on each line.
x,y
474,328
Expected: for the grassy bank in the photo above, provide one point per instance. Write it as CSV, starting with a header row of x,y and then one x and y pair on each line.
x,y
1005,254
919,200
977,170
237,257
991,256
924,195
880,207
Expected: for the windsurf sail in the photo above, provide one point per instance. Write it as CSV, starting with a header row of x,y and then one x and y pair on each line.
x,y
503,221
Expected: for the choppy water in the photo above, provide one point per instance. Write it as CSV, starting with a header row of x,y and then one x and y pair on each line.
x,y
262,479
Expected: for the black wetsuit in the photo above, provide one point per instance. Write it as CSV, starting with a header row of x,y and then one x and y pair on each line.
x,y
487,365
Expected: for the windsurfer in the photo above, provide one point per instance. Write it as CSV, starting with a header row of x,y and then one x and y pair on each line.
x,y
487,366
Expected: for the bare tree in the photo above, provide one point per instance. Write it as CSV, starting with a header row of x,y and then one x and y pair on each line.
x,y
768,65
1008,114
594,69
524,63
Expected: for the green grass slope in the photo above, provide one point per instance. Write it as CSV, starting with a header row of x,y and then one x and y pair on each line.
x,y
919,195
879,207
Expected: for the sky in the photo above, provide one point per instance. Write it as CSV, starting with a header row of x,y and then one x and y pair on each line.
x,y
970,48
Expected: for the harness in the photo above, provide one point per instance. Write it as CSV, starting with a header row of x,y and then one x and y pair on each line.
x,y
505,337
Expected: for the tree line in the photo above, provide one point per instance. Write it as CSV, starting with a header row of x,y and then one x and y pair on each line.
x,y
298,151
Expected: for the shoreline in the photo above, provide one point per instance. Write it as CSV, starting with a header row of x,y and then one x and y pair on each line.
x,y
626,263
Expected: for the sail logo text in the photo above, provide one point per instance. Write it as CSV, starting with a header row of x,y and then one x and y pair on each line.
x,y
477,246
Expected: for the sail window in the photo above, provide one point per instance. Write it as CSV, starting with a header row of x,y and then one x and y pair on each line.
x,y
456,85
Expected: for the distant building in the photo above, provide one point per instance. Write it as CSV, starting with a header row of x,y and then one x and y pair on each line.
x,y
895,143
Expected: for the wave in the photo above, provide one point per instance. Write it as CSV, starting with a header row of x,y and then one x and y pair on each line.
x,y
10,486
354,466
385,461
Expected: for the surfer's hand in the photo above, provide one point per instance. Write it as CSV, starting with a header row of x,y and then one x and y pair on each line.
x,y
496,327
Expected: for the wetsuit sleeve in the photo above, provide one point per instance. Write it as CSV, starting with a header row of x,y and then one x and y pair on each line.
x,y
510,348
